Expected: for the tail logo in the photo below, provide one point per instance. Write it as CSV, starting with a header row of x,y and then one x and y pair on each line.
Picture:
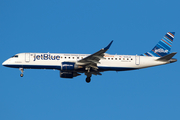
x,y
163,47
160,50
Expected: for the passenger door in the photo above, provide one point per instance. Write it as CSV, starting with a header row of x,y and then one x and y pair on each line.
x,y
137,60
27,57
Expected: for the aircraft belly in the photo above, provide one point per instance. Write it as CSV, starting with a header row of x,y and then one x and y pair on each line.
x,y
115,68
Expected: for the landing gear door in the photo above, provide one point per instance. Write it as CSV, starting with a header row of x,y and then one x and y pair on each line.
x,y
137,60
27,57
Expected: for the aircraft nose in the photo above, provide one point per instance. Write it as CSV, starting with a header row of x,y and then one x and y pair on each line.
x,y
5,63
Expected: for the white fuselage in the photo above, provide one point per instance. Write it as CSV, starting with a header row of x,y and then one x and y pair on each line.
x,y
54,61
72,65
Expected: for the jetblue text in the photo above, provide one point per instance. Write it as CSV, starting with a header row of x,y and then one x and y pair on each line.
x,y
46,57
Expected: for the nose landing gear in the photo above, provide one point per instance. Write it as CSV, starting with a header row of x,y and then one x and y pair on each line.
x,y
22,70
21,75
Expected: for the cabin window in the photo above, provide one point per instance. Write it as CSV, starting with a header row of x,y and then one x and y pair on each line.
x,y
115,58
111,58
119,58
77,57
73,57
108,58
16,56
69,57
131,59
65,57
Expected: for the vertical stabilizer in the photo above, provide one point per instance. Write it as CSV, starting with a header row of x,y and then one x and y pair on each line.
x,y
163,47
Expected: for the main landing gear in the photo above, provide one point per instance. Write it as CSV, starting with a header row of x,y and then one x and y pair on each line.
x,y
22,70
88,79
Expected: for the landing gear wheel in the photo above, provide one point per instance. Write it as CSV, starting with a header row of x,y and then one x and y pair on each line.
x,y
22,70
88,79
21,75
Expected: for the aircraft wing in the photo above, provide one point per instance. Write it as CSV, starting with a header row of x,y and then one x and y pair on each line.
x,y
93,59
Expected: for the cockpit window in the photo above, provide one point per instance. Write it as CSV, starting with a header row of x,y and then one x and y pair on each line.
x,y
16,56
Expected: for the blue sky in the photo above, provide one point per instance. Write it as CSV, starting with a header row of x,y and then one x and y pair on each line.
x,y
83,26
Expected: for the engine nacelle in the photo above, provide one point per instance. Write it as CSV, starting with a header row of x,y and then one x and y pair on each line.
x,y
68,66
68,74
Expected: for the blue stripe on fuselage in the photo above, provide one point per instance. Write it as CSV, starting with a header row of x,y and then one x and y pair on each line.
x,y
59,67
34,66
116,68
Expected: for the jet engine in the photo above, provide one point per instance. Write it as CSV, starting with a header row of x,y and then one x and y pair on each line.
x,y
67,66
68,74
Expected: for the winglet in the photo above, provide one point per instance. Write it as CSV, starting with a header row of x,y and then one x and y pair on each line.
x,y
107,47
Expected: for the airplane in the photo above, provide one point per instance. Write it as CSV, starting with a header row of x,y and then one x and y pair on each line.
x,y
73,65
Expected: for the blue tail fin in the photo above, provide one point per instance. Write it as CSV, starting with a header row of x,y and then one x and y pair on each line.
x,y
163,47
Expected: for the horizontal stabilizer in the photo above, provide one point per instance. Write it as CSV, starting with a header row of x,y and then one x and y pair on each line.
x,y
167,57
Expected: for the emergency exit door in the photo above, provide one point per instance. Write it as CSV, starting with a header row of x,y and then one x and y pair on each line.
x,y
137,60
27,57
